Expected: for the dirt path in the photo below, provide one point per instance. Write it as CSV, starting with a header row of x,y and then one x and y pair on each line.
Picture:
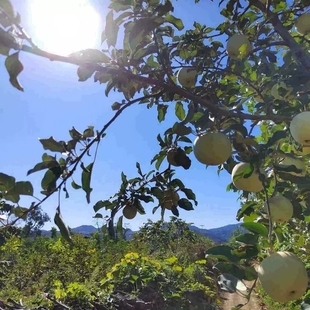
x,y
232,300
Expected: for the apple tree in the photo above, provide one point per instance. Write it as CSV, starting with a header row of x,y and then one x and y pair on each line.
x,y
241,100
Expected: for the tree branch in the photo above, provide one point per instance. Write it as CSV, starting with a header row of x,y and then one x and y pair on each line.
x,y
79,158
298,53
151,81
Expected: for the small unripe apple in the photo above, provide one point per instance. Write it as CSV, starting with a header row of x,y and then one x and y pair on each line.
x,y
302,24
187,77
170,199
238,46
129,212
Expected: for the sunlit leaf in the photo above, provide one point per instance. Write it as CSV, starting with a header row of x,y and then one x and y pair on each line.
x,y
47,163
52,145
177,22
179,111
111,29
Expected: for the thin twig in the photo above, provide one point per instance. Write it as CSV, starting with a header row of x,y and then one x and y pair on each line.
x,y
79,158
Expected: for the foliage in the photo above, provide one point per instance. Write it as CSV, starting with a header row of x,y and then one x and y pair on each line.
x,y
87,274
171,237
238,97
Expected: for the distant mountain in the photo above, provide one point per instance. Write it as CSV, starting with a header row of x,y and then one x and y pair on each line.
x,y
84,229
220,234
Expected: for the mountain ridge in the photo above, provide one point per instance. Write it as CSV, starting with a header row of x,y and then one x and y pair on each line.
x,y
219,234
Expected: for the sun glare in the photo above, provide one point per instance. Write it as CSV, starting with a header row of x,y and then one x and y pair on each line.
x,y
64,26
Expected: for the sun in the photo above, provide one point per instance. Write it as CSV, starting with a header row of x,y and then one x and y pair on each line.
x,y
64,26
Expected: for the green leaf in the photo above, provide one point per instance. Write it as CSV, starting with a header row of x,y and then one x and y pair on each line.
x,y
111,30
161,112
124,178
86,178
246,209
20,212
89,132
12,195
256,228
278,135
163,9
145,51
137,32
119,228
47,163
52,145
24,188
157,192
180,129
63,228
222,252
145,198
75,186
177,22
179,111
247,238
7,182
175,211
159,161
4,50
98,216
75,134
176,183
139,169
84,73
161,141
109,86
107,204
14,68
49,181
185,204
185,139
189,194
7,7
117,7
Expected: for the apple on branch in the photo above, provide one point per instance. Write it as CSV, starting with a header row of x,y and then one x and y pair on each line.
x,y
283,276
212,148
302,24
187,77
238,46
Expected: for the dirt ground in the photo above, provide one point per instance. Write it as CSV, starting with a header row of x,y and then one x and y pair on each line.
x,y
232,300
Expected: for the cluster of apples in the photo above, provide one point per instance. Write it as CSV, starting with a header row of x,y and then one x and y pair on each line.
x,y
282,275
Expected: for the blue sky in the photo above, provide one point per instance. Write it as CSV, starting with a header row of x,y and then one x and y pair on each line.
x,y
54,101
